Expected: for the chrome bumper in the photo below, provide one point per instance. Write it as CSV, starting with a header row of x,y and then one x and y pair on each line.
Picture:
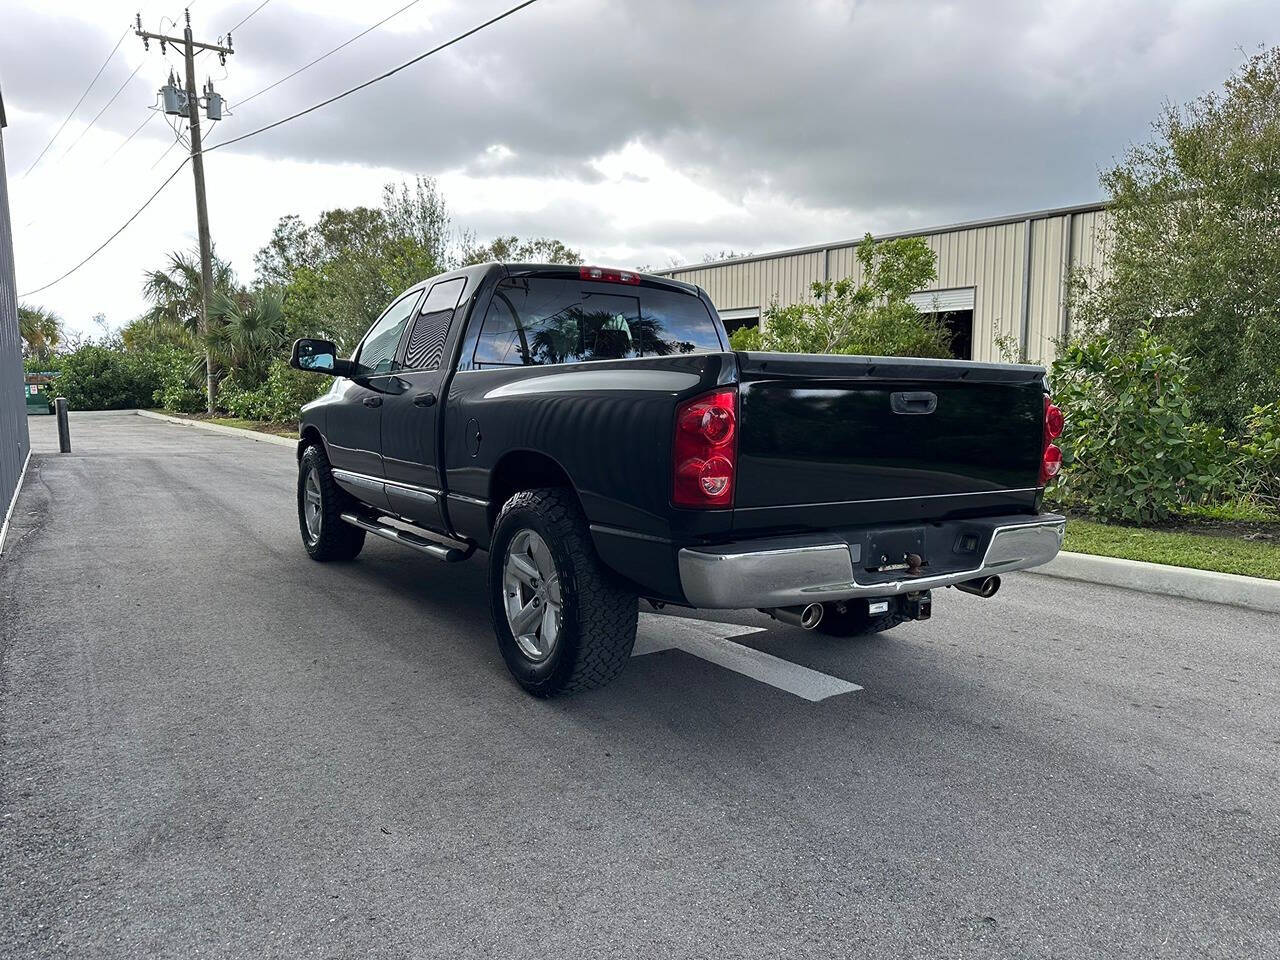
x,y
789,571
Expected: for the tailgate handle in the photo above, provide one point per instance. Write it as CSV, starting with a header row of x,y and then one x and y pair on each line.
x,y
913,401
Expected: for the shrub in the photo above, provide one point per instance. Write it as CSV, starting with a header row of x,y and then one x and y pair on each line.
x,y
278,399
105,377
872,317
180,390
1131,448
1257,459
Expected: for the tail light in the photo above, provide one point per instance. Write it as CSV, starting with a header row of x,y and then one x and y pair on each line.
x,y
608,275
1051,461
704,452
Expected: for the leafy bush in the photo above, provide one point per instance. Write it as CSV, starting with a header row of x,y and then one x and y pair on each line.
x,y
277,399
872,317
1194,243
1258,454
181,389
1131,448
102,376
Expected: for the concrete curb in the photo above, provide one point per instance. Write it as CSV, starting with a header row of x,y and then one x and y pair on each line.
x,y
8,514
219,428
1253,593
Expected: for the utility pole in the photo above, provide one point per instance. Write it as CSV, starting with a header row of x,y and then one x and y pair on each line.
x,y
189,46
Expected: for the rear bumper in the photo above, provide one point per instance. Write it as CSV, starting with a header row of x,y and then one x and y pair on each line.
x,y
789,571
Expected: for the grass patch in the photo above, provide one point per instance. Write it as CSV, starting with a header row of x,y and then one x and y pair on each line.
x,y
1233,511
1176,547
261,426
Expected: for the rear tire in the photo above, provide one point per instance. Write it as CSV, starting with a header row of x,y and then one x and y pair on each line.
x,y
320,504
576,619
854,621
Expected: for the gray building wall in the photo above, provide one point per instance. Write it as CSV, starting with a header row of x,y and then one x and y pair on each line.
x,y
1017,267
15,443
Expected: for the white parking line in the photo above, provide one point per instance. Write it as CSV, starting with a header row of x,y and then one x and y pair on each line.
x,y
708,640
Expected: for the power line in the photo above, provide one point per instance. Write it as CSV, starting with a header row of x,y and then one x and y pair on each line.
x,y
394,70
103,110
249,17
102,246
78,102
324,56
368,83
151,115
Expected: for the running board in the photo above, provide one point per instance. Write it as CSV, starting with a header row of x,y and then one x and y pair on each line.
x,y
437,551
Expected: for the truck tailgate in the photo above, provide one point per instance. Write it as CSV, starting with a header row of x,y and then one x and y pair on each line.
x,y
832,441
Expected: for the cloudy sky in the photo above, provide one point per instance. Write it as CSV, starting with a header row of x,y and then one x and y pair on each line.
x,y
636,130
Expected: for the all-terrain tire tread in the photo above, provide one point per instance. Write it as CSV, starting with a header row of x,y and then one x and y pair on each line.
x,y
338,539
606,609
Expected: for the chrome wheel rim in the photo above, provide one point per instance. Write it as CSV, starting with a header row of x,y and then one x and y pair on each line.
x,y
531,595
311,505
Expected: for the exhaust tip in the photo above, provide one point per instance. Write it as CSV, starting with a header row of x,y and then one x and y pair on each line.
x,y
811,616
984,587
806,617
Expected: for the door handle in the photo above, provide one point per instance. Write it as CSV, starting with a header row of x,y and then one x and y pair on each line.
x,y
917,402
427,399
372,401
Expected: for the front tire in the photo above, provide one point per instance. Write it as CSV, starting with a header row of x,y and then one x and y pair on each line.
x,y
564,622
320,504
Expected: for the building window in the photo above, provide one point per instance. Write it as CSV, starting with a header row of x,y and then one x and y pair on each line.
x,y
954,310
739,318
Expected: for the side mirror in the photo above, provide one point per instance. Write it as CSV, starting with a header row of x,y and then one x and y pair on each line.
x,y
319,356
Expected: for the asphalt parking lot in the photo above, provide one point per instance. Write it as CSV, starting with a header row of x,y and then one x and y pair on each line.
x,y
214,747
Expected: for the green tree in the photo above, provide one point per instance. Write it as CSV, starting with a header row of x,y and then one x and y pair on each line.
x,y
40,329
339,273
174,290
871,317
249,334
1195,238
1132,448
511,249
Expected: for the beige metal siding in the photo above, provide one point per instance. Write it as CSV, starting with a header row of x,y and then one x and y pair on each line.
x,y
989,257
1048,287
759,283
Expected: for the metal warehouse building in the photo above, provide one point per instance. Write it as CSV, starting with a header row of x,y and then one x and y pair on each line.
x,y
15,445
1005,277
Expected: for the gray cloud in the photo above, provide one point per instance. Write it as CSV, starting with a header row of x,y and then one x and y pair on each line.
x,y
847,116
930,110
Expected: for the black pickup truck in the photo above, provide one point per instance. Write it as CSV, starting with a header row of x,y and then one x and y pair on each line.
x,y
593,431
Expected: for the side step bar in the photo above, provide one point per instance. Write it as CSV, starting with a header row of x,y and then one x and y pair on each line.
x,y
437,551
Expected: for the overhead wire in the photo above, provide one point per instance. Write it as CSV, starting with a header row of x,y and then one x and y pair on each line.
x,y
368,83
151,115
248,17
119,89
119,230
325,56
301,113
72,113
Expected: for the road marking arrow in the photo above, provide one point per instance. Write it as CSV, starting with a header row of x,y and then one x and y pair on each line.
x,y
709,640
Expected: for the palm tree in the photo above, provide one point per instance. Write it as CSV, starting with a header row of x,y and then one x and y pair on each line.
x,y
174,293
40,329
249,333
174,290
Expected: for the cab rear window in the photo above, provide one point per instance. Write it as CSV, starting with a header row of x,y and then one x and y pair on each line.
x,y
534,320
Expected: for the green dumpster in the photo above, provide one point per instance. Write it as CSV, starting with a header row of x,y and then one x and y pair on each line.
x,y
39,397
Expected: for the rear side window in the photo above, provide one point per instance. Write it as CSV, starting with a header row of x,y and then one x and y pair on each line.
x,y
547,320
431,329
378,350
